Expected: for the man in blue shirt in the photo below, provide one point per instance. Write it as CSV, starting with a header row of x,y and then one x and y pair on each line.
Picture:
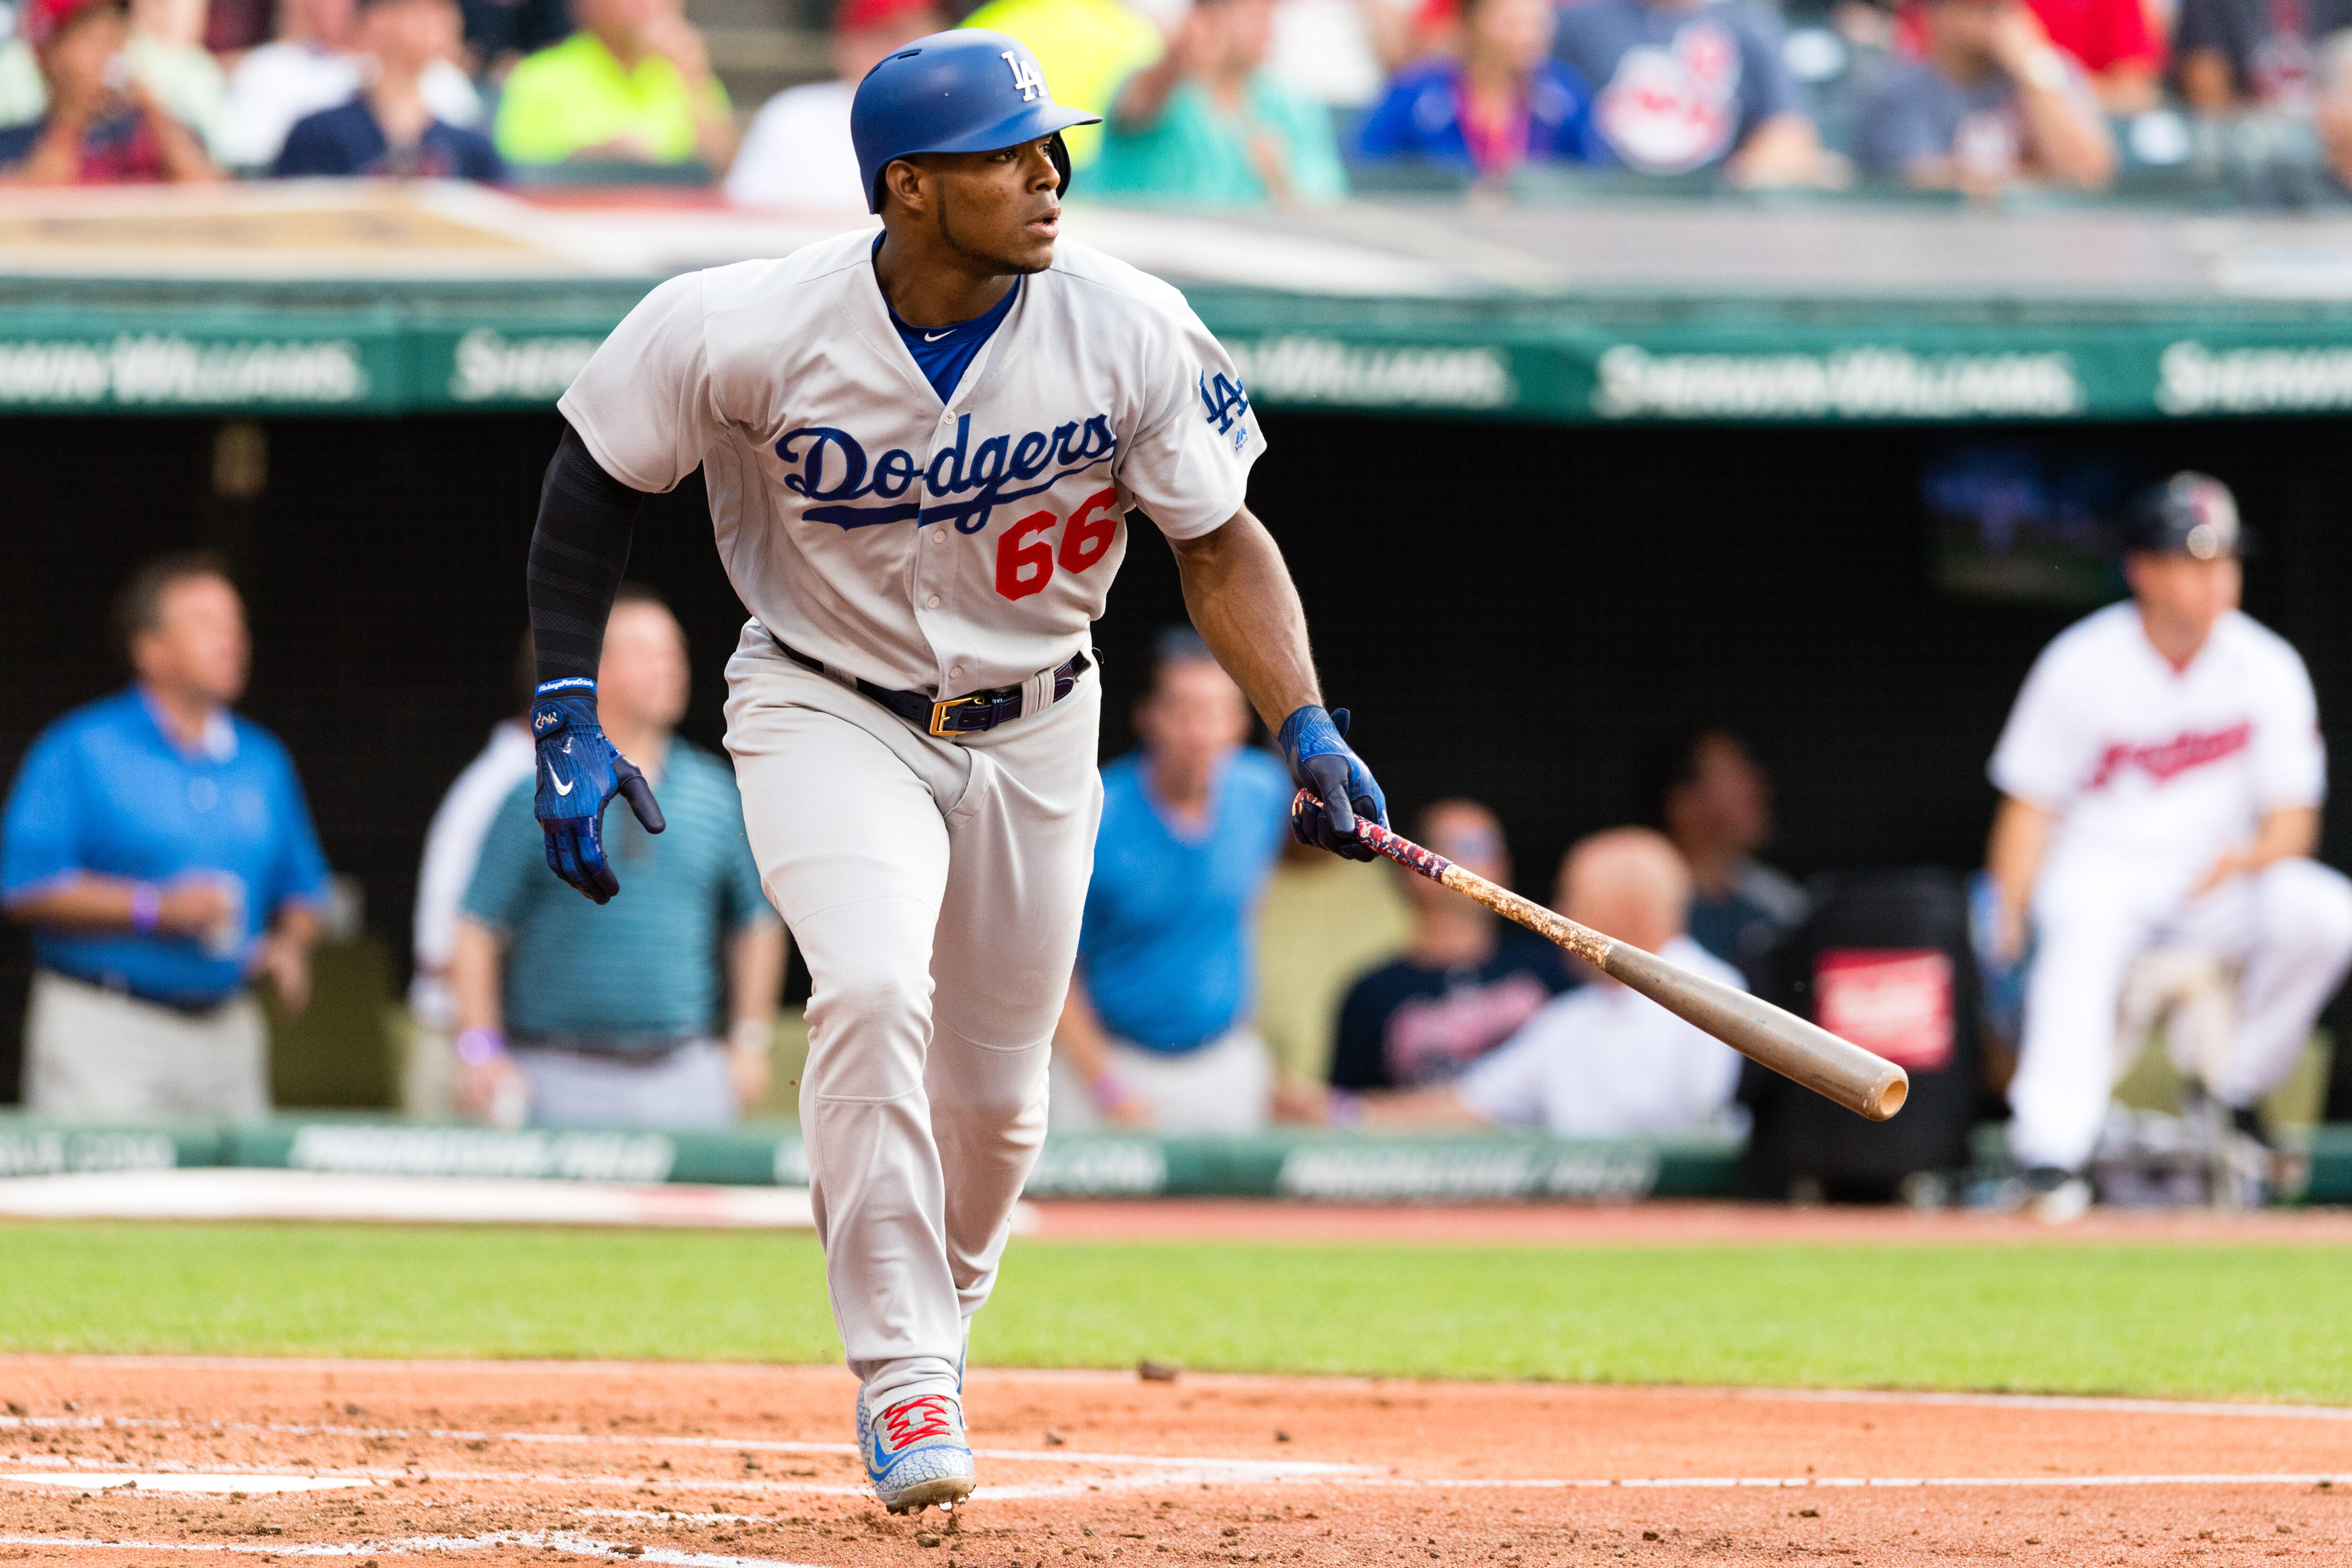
x,y
577,1015
1158,1028
389,129
160,848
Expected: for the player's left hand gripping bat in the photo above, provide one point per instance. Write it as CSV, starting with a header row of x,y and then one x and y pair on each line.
x,y
1807,1053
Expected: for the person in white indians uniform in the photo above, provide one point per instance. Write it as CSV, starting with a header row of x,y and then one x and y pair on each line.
x,y
921,449
2161,777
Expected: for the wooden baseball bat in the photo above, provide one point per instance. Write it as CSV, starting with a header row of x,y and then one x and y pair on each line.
x,y
1867,1085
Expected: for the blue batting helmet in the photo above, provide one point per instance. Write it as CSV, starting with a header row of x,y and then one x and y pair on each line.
x,y
968,91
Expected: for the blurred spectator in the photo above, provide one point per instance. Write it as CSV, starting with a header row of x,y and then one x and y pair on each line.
x,y
1601,1061
1157,1030
22,96
499,33
160,848
1086,50
2230,55
1504,103
166,55
1990,101
574,1014
452,847
1715,804
798,152
311,66
2333,107
632,86
2113,40
1206,123
102,126
1340,53
389,129
1467,981
1685,85
1324,922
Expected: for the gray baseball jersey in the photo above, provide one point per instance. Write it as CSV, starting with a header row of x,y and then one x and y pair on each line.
x,y
926,545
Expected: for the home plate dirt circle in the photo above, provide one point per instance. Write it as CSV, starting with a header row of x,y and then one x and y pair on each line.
x,y
107,1460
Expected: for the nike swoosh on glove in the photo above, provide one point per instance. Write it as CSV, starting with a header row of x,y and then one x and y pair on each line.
x,y
1314,743
579,771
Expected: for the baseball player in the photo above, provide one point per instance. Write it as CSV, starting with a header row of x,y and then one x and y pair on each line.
x,y
2161,776
921,448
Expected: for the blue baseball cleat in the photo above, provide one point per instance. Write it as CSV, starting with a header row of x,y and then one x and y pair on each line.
x,y
916,1454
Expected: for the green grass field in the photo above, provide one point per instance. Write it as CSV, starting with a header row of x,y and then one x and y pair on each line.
x,y
2175,1320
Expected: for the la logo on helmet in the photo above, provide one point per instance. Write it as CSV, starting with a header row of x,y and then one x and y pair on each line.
x,y
1027,79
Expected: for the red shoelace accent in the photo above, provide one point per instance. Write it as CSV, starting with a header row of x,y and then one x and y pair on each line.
x,y
928,1417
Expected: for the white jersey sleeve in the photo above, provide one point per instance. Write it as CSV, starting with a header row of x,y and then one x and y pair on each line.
x,y
2048,746
1507,1084
1189,465
643,404
2290,758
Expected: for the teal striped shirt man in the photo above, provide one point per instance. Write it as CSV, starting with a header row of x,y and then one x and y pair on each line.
x,y
648,966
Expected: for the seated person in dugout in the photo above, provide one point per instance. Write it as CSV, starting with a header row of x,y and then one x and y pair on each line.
x,y
1469,981
2161,776
572,1015
1159,1029
1716,803
1600,1061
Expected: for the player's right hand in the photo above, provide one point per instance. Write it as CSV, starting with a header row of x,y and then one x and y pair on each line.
x,y
579,771
1315,745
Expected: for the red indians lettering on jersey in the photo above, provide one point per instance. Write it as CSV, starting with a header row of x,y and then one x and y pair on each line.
x,y
2166,760
1439,1035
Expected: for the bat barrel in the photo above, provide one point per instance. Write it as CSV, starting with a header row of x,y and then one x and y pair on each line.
x,y
1864,1084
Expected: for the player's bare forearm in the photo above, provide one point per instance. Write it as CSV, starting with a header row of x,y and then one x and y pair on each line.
x,y
755,971
2290,833
1238,591
2020,837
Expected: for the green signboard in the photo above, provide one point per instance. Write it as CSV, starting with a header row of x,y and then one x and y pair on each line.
x,y
99,346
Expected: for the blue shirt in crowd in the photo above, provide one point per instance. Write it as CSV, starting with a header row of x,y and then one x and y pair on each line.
x,y
1166,946
1676,88
347,141
1421,117
106,789
642,972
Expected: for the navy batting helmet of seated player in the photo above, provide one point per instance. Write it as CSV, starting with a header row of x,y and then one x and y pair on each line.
x,y
2188,514
967,90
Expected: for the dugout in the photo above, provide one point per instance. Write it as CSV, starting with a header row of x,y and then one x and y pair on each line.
x,y
1623,470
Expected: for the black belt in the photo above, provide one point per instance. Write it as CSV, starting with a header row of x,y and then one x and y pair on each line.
x,y
949,716
195,1008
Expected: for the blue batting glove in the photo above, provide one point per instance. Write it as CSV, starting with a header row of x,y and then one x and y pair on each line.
x,y
1314,743
579,771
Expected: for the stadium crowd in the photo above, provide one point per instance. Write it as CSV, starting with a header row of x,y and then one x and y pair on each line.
x,y
1221,102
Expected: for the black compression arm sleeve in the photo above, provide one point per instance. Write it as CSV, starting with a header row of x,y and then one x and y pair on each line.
x,y
577,554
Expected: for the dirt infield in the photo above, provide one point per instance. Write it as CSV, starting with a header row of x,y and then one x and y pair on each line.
x,y
107,1460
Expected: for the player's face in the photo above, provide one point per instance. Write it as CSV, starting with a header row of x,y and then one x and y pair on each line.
x,y
198,645
2186,593
999,210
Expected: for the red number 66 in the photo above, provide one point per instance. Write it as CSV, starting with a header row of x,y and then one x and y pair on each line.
x,y
1024,561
